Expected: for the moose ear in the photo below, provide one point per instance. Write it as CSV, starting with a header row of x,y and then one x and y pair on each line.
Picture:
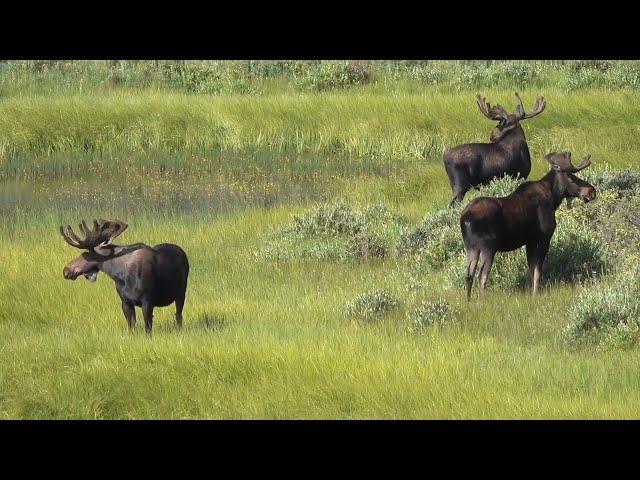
x,y
551,158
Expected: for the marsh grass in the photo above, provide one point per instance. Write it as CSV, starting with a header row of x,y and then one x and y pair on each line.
x,y
177,131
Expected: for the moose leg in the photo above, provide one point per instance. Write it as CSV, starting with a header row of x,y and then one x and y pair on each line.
x,y
531,261
147,311
472,263
541,256
179,306
487,261
130,314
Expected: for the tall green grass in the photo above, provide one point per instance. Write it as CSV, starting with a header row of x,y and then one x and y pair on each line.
x,y
367,127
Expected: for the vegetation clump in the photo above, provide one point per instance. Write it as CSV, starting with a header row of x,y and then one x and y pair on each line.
x,y
607,315
334,74
432,313
335,232
370,305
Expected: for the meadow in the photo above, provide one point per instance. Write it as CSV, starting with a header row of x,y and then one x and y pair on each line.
x,y
242,180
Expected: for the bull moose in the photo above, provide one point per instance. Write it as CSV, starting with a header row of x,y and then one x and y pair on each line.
x,y
525,217
145,276
471,165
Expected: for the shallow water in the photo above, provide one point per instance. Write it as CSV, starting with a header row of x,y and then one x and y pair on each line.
x,y
215,183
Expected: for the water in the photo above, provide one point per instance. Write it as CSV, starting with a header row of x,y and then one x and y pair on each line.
x,y
215,183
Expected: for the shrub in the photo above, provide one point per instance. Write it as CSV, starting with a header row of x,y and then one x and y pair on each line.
x,y
429,231
370,305
366,245
607,315
615,221
430,313
335,232
334,220
328,75
625,182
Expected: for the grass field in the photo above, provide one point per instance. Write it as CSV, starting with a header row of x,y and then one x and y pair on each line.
x,y
262,339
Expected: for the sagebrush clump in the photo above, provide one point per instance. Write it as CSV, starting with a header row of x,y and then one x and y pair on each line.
x,y
607,315
370,305
335,74
624,182
432,313
336,232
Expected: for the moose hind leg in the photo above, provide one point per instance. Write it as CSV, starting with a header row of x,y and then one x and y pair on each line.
x,y
472,263
147,312
487,261
179,306
130,314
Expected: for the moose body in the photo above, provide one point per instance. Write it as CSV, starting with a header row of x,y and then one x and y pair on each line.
x,y
526,217
144,276
472,165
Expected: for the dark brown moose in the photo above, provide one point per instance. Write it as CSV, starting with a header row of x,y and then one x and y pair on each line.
x,y
144,276
525,217
471,165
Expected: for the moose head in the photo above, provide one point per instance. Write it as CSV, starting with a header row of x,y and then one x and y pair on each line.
x,y
508,121
97,242
565,183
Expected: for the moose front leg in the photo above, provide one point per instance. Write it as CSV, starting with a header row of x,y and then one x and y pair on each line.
x,y
147,312
130,314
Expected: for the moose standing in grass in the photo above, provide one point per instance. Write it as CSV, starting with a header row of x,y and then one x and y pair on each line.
x,y
144,276
525,217
474,164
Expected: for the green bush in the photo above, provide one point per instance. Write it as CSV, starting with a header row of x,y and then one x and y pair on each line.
x,y
625,182
330,75
370,305
366,245
614,219
335,232
607,315
430,313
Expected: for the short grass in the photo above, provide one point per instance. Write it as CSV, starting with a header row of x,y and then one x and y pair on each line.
x,y
270,340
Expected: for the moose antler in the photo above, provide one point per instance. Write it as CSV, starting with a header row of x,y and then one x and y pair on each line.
x,y
492,113
563,162
103,233
538,108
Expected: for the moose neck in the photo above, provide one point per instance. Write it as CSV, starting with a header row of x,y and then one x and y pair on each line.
x,y
513,139
114,266
552,184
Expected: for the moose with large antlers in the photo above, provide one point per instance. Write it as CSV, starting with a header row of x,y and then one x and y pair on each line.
x,y
525,217
471,165
145,276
